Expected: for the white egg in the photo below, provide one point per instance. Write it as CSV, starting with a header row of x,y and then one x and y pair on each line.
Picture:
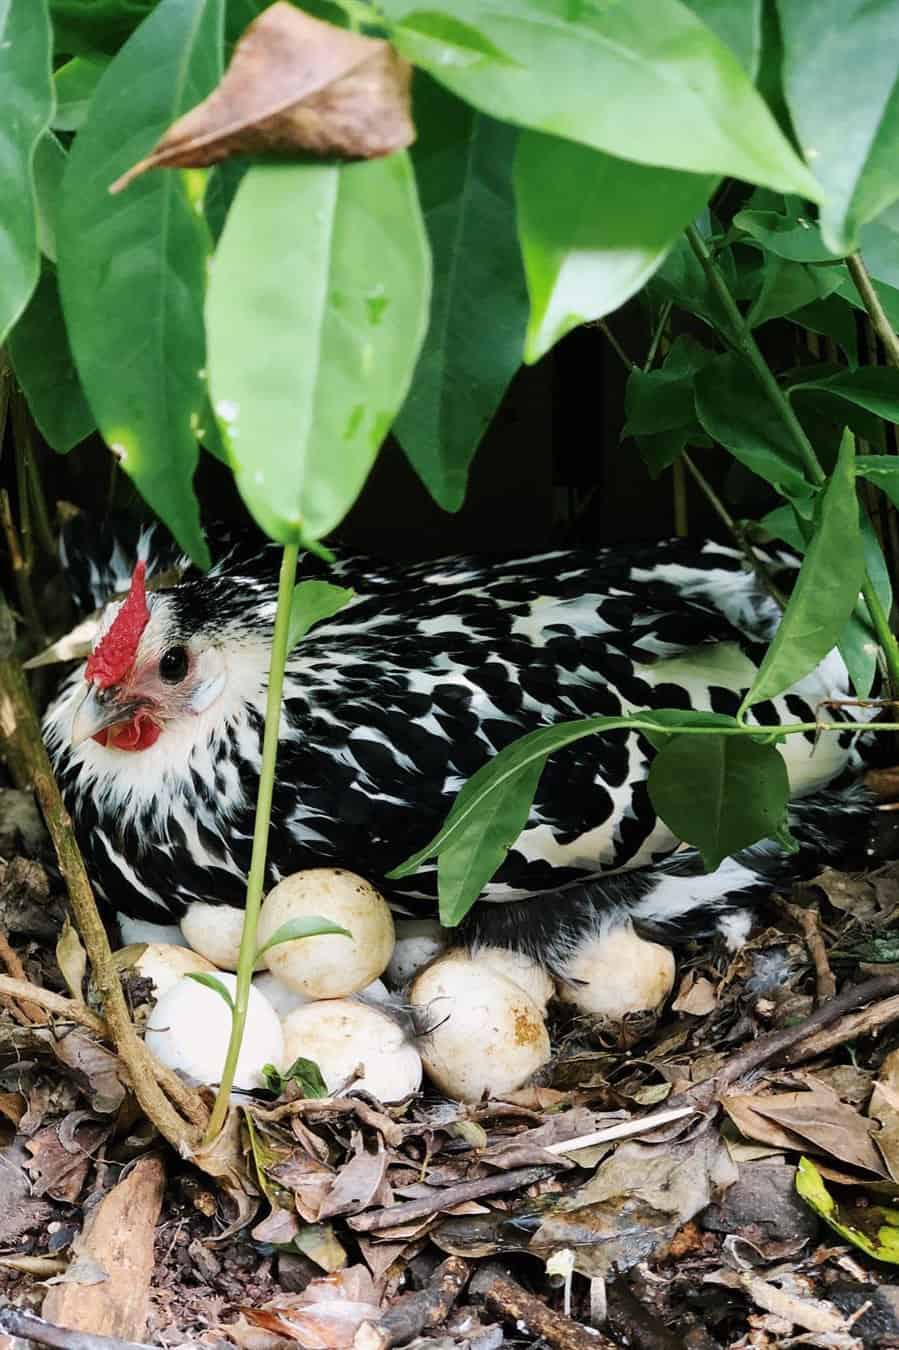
x,y
331,966
534,979
282,999
485,1033
617,972
164,963
418,941
214,931
189,1029
345,1035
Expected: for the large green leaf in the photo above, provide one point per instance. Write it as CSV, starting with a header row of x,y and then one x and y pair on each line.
x,y
593,230
26,104
479,307
493,806
96,26
842,85
871,1227
875,388
317,307
826,591
658,88
75,83
786,286
735,411
719,793
132,268
738,25
41,357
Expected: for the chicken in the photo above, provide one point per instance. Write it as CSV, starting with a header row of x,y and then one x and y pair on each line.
x,y
392,704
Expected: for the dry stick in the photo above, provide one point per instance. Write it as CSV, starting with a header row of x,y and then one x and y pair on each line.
x,y
809,920
871,301
31,1012
788,1039
848,1028
516,1306
13,1322
412,1313
66,1008
19,728
446,1198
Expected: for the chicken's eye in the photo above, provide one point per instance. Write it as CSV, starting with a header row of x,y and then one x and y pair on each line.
x,y
173,665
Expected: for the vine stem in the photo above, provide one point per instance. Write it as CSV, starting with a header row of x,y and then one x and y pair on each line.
x,y
256,879
876,312
741,335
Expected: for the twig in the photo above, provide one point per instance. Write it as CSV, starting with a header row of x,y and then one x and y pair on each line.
x,y
519,1308
848,1028
621,1131
445,1198
19,727
30,1011
413,1313
738,534
871,301
66,1008
615,344
809,920
788,1039
31,1328
21,570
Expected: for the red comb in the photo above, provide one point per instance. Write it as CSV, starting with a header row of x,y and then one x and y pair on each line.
x,y
112,659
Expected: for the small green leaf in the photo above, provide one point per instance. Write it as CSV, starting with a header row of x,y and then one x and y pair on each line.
x,y
874,388
303,1071
41,357
788,286
317,307
663,91
719,793
795,236
312,602
870,1227
143,253
847,126
479,308
75,84
307,926
93,27
832,318
661,415
826,591
593,230
26,103
50,161
211,982
735,411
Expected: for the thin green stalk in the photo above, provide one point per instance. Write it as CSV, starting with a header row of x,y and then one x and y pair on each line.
x,y
256,880
741,335
876,312
661,325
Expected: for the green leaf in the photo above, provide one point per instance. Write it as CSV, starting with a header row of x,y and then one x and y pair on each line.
x,y
735,411
96,26
303,1071
306,926
879,243
26,103
75,84
794,236
739,26
313,601
593,230
661,415
882,471
492,808
833,318
826,591
874,388
681,280
870,1227
479,308
317,307
50,161
719,793
787,286
212,982
842,87
664,91
132,267
42,360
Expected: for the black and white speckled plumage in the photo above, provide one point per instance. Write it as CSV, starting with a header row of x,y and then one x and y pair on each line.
x,y
391,706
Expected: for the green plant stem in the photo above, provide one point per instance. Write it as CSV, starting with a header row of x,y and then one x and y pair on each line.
x,y
876,312
739,534
256,880
741,335
658,334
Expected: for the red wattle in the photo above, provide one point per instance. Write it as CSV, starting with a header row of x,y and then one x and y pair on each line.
x,y
138,734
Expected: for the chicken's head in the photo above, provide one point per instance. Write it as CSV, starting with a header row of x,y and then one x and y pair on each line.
x,y
142,674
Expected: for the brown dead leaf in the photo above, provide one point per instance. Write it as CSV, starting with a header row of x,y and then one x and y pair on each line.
x,y
320,1243
72,959
98,1069
60,1160
225,1160
308,1179
357,1184
696,996
851,894
884,1107
20,1209
816,1121
295,86
12,1106
326,1315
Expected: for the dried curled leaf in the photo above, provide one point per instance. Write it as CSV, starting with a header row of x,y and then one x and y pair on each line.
x,y
295,86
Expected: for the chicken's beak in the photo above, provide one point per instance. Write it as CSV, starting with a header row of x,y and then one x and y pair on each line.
x,y
99,709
